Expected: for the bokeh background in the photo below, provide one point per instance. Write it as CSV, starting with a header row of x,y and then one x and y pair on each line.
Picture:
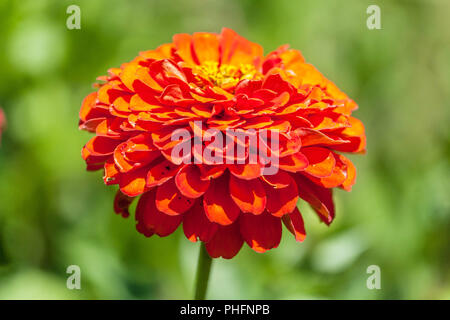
x,y
54,214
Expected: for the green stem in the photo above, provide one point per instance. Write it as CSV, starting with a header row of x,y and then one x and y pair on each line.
x,y
203,269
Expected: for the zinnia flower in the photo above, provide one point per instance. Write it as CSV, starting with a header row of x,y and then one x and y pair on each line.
x,y
221,81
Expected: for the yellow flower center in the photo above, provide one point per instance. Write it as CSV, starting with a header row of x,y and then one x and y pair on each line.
x,y
226,75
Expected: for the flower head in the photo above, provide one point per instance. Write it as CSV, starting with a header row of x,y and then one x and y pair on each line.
x,y
207,85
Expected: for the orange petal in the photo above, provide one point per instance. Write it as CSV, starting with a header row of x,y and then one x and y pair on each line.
x,y
133,183
128,74
351,173
218,204
249,195
337,177
135,153
281,201
294,162
145,84
183,45
206,47
139,104
189,182
170,200
121,162
162,171
238,50
87,105
245,171
311,137
89,109
107,127
111,172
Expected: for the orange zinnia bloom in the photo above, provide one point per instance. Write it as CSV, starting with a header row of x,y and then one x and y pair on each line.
x,y
222,81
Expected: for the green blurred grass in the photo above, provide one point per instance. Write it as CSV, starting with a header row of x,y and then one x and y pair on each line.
x,y
53,213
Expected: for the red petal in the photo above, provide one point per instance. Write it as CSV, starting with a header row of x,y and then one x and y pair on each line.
x,y
294,223
319,198
261,232
226,242
356,135
91,125
281,179
166,73
281,201
321,161
189,182
249,195
170,201
150,220
208,172
196,225
94,166
121,204
101,146
218,204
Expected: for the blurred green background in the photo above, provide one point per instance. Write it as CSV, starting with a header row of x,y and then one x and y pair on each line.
x,y
54,214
